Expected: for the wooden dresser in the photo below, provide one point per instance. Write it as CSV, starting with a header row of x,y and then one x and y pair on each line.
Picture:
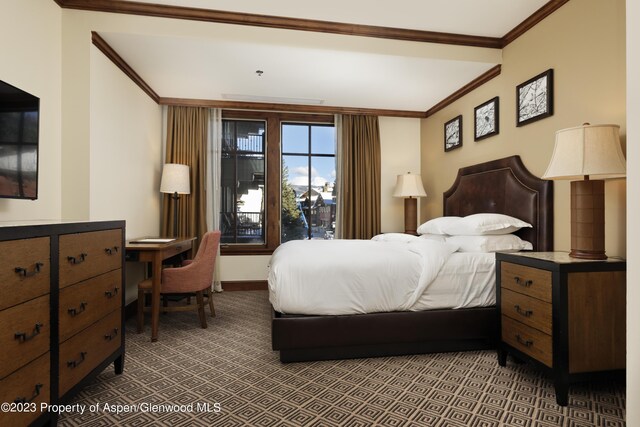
x,y
566,315
61,313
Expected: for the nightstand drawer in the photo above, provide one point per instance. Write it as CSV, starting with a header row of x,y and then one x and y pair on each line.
x,y
528,340
526,280
24,273
525,309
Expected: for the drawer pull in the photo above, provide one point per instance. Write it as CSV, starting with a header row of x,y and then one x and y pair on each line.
x,y
78,260
36,393
112,335
111,294
74,363
22,336
26,273
525,313
525,283
111,251
75,311
525,343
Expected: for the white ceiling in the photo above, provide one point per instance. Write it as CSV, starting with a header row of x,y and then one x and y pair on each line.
x,y
219,61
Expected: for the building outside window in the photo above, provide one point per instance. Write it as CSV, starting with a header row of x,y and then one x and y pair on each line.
x,y
242,216
308,181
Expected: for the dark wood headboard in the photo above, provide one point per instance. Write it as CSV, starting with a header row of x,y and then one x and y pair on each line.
x,y
505,186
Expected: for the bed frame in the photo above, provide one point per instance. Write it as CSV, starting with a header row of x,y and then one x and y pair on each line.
x,y
499,186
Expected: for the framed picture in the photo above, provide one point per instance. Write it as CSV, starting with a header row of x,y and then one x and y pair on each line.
x,y
453,134
486,119
534,98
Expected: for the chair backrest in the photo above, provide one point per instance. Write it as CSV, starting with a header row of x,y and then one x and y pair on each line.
x,y
198,275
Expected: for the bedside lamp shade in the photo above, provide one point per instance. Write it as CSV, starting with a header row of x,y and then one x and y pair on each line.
x,y
580,153
410,186
175,179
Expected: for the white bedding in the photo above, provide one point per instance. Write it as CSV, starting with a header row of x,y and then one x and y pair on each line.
x,y
330,277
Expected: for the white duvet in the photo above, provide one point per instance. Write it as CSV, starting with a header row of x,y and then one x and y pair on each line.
x,y
331,277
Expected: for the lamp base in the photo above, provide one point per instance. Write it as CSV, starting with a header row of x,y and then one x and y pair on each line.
x,y
587,219
410,215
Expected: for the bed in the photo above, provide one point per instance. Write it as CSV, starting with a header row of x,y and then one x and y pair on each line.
x,y
499,186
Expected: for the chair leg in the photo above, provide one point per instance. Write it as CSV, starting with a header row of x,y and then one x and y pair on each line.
x,y
203,318
210,301
140,313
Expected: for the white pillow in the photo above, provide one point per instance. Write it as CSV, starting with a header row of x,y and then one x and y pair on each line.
x,y
437,225
436,237
394,237
484,224
503,243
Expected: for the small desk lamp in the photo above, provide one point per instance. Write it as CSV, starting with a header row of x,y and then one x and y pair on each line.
x,y
175,180
410,186
579,153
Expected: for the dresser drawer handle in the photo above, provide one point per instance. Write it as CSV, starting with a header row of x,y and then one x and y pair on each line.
x,y
111,294
78,260
111,251
36,393
74,363
24,272
525,283
525,313
75,311
22,336
112,335
525,343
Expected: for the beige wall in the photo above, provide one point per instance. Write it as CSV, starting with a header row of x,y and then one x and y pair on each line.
x,y
31,61
633,189
584,42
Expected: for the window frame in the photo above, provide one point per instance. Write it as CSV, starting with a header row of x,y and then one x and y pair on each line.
x,y
273,179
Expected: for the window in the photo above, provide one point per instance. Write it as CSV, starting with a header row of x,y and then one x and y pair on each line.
x,y
308,192
242,216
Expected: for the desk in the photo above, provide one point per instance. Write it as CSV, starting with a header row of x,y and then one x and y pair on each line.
x,y
154,254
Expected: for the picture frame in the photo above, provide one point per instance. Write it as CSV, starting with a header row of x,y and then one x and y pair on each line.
x,y
486,119
534,98
453,134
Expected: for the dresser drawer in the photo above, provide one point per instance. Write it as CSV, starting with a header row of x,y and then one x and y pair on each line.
x,y
83,352
528,310
88,301
84,255
24,334
29,384
24,271
526,280
528,340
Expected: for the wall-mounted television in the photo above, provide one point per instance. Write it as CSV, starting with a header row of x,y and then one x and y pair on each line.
x,y
19,118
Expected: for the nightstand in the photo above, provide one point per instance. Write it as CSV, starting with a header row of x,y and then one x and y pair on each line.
x,y
566,315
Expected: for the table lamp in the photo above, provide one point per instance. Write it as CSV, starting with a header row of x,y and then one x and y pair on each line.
x,y
410,187
581,153
175,181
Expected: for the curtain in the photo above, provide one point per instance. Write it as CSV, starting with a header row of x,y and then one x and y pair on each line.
x,y
187,129
360,181
214,155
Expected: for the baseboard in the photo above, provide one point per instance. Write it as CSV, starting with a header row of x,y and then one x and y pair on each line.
x,y
244,285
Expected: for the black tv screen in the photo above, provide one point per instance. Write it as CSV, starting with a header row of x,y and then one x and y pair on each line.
x,y
19,117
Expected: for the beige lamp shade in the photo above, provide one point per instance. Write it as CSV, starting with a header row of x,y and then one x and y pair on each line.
x,y
175,179
409,185
587,150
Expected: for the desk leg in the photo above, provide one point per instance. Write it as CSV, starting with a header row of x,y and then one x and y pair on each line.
x,y
155,295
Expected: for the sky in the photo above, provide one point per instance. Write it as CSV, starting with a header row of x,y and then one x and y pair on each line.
x,y
295,139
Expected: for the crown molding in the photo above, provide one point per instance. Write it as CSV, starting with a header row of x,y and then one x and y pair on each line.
x,y
532,21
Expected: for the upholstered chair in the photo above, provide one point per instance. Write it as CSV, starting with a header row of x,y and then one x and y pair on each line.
x,y
194,276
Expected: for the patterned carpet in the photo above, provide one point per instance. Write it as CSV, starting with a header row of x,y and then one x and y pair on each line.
x,y
227,375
